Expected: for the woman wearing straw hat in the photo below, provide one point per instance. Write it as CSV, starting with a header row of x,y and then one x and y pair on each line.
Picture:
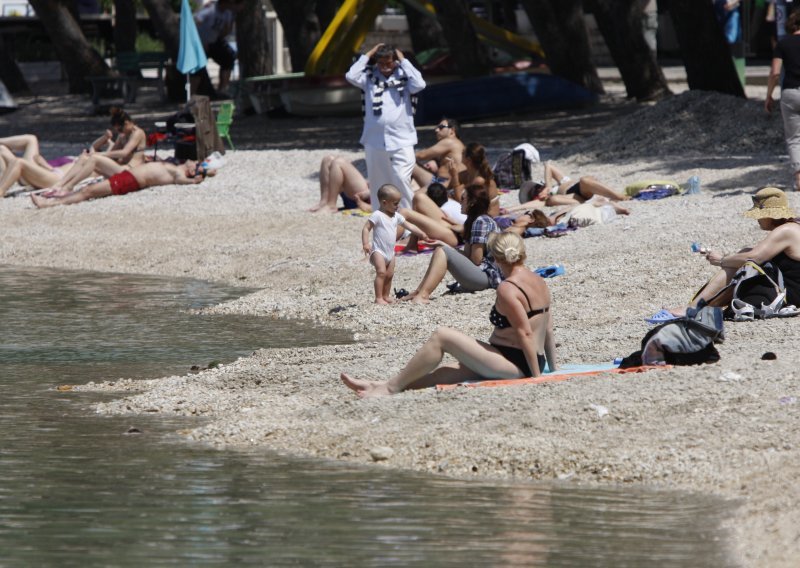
x,y
781,247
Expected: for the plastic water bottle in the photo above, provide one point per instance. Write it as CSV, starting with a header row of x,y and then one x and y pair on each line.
x,y
693,186
697,247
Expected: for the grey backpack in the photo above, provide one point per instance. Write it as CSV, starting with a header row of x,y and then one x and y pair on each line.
x,y
688,340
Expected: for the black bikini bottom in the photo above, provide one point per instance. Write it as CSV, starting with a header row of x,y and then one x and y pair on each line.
x,y
517,356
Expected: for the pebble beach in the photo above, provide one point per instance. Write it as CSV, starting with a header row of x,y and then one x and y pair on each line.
x,y
729,428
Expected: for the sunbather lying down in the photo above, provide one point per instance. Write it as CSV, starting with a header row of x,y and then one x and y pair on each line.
x,y
558,189
596,211
140,177
21,162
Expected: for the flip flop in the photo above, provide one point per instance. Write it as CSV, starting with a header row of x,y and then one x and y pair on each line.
x,y
661,317
550,271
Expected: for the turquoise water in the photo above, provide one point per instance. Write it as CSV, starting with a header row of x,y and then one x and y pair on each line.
x,y
76,489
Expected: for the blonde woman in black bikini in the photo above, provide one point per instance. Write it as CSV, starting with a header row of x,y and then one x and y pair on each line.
x,y
520,345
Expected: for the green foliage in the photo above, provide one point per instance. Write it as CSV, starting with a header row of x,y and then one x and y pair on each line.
x,y
144,42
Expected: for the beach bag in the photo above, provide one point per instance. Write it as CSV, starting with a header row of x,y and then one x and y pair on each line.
x,y
514,168
687,340
758,293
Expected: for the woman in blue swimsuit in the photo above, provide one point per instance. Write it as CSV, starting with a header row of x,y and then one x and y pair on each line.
x,y
520,345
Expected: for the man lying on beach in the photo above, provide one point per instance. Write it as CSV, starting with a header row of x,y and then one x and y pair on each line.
x,y
140,177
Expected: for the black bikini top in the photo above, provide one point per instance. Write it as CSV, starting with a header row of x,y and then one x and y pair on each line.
x,y
501,322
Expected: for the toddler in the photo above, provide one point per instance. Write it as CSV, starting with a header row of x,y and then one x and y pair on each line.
x,y
384,223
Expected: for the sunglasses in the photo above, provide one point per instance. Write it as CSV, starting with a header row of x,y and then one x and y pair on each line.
x,y
441,126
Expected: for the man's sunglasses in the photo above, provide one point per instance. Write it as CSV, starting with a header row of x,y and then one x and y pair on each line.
x,y
441,126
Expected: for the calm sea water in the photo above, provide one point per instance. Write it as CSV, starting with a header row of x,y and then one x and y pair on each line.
x,y
77,490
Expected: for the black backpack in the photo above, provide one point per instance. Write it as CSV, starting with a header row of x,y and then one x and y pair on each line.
x,y
758,293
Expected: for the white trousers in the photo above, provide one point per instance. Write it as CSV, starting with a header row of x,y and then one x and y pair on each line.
x,y
394,167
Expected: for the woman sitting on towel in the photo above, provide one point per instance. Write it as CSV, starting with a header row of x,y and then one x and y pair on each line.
x,y
473,268
521,343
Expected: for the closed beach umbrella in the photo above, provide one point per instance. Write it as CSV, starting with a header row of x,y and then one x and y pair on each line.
x,y
191,56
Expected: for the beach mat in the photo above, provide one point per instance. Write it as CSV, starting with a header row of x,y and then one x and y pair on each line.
x,y
566,372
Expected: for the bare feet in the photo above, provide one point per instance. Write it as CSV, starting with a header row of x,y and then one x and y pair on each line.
x,y
41,202
381,302
364,389
420,299
323,209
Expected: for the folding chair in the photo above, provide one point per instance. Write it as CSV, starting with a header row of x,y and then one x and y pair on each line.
x,y
224,121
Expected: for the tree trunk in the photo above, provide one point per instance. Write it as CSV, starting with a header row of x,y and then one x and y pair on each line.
x,y
561,29
79,58
166,23
468,53
706,55
125,25
301,28
10,74
620,22
424,29
251,40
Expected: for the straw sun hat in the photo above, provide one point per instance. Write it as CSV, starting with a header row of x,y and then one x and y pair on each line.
x,y
770,202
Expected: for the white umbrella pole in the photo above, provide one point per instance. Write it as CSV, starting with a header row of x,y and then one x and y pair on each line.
x,y
188,88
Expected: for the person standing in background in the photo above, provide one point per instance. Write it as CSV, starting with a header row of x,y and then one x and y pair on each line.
x,y
787,58
389,82
214,24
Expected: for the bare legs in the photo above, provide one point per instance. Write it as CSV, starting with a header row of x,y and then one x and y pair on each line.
x,y
384,272
476,360
20,169
435,229
713,287
433,276
337,175
589,186
93,191
27,144
85,166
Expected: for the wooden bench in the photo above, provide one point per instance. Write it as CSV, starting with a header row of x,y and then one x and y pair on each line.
x,y
126,76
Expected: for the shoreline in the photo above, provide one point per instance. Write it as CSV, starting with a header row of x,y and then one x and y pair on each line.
x,y
721,428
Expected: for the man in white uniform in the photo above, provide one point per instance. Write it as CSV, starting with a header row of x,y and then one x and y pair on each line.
x,y
389,135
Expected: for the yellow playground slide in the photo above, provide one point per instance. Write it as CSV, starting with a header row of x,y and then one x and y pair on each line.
x,y
344,36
